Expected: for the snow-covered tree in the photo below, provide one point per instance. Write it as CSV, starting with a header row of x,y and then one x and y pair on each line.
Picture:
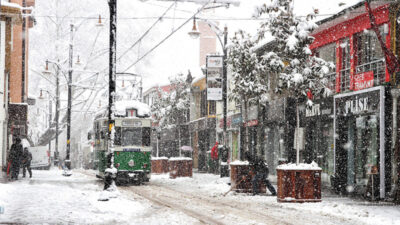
x,y
249,78
170,109
302,72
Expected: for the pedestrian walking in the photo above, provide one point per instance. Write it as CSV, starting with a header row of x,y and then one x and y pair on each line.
x,y
261,171
15,158
26,162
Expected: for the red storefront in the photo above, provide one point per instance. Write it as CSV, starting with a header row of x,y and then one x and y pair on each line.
x,y
347,40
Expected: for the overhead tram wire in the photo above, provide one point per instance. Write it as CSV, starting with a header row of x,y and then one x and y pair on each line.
x,y
146,32
168,36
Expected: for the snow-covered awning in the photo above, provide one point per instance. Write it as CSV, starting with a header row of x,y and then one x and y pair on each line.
x,y
12,10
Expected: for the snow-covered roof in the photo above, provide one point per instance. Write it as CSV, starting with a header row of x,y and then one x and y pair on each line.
x,y
346,12
143,110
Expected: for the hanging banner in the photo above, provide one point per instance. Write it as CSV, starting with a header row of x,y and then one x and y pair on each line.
x,y
214,78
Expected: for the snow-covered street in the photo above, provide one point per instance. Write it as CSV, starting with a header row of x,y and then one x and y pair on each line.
x,y
52,198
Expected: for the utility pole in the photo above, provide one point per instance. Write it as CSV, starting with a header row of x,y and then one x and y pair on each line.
x,y
56,157
224,155
71,52
50,118
111,90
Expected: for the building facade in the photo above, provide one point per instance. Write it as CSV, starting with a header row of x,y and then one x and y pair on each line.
x,y
11,15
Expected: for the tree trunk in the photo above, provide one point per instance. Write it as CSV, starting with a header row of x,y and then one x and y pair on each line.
x,y
246,127
259,128
297,133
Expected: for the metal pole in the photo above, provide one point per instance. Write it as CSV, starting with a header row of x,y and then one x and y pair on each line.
x,y
224,169
225,83
50,118
71,52
111,89
57,113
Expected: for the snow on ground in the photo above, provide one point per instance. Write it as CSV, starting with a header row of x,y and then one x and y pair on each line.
x,y
349,209
50,198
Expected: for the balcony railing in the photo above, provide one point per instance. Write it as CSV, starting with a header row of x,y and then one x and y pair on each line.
x,y
378,67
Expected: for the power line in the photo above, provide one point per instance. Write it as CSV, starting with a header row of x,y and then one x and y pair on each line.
x,y
146,32
163,40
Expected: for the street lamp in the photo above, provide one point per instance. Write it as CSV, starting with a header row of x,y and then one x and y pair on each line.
x,y
71,52
50,110
134,75
48,72
194,34
218,33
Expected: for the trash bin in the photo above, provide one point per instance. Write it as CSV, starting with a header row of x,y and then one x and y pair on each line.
x,y
299,183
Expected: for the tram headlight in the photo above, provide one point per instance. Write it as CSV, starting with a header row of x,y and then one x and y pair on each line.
x,y
131,163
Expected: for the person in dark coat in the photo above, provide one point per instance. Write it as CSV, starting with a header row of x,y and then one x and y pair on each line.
x,y
261,173
15,158
26,162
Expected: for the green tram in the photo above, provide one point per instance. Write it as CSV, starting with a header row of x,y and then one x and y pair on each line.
x,y
132,147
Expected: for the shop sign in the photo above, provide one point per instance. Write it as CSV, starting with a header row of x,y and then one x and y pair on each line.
x,y
320,107
251,123
236,119
363,80
364,102
214,78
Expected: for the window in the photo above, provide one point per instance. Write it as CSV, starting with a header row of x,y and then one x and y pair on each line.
x,y
146,133
131,136
370,56
345,70
328,53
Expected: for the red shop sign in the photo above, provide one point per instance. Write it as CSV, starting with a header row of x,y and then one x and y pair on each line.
x,y
363,80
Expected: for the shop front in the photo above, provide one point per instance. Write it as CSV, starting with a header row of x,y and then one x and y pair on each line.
x,y
203,137
317,122
361,143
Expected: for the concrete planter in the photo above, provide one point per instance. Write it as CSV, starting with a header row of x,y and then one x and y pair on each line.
x,y
180,167
299,184
159,165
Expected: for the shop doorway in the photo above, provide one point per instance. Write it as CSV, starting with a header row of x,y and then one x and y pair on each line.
x,y
358,152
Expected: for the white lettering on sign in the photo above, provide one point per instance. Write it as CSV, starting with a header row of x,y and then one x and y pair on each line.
x,y
356,105
314,111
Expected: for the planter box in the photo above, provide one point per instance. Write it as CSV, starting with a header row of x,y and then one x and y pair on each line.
x,y
180,167
299,185
159,165
241,176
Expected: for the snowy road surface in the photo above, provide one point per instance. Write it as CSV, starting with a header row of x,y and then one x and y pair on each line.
x,y
52,198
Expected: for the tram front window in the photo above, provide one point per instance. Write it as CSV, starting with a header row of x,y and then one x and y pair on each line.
x,y
131,136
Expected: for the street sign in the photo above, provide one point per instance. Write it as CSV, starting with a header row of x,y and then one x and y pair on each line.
x,y
214,78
